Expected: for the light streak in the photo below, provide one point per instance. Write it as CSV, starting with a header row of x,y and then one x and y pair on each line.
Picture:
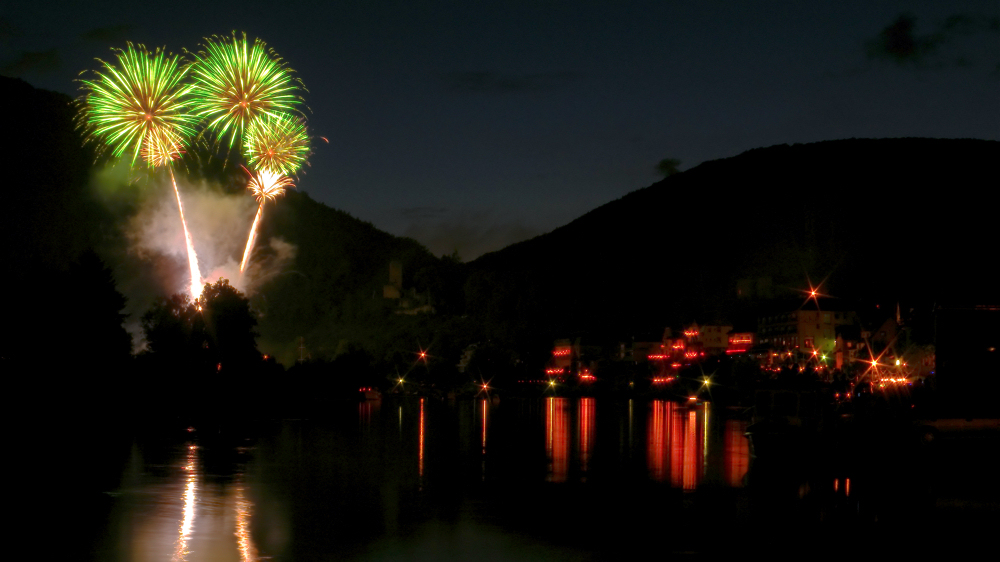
x,y
556,440
483,471
195,286
656,441
248,551
586,432
420,454
190,498
265,186
691,451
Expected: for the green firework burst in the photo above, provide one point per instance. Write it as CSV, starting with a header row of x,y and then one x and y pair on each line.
x,y
278,144
139,105
238,83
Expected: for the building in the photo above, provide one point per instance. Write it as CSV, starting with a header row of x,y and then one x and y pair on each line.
x,y
740,342
803,329
407,302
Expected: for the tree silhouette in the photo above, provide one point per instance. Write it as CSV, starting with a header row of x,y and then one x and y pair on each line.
x,y
228,326
216,332
169,327
668,167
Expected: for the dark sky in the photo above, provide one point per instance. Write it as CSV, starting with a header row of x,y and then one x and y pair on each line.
x,y
471,126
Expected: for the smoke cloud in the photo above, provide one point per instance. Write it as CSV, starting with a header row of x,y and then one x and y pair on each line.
x,y
219,224
154,253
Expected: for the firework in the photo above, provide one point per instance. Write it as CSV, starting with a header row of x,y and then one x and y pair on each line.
x,y
195,286
265,186
139,106
238,83
278,144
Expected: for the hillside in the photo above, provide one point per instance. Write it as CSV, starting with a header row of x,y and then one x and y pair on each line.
x,y
886,218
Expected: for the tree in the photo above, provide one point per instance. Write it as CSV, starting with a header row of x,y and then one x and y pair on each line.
x,y
216,332
229,326
668,167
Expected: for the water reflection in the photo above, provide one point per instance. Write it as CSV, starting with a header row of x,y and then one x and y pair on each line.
x,y
736,452
484,410
585,431
189,497
248,551
186,514
692,451
556,440
677,443
420,454
366,410
659,416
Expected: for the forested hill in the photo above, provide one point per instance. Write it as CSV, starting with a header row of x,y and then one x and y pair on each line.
x,y
910,218
332,294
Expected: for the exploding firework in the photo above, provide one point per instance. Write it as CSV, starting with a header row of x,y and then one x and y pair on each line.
x,y
278,144
277,147
238,83
265,186
139,106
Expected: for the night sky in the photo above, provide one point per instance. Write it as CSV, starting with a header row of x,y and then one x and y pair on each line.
x,y
470,127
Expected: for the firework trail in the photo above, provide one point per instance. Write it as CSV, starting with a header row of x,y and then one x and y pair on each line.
x,y
265,186
277,146
238,84
140,106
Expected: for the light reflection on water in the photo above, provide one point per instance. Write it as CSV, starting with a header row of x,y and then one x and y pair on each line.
x,y
556,440
191,515
679,445
183,518
248,551
585,431
189,498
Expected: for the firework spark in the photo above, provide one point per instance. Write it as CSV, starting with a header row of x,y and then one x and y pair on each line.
x,y
277,147
238,83
139,106
265,186
278,144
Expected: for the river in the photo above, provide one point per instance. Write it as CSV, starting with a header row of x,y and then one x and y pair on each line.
x,y
409,478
